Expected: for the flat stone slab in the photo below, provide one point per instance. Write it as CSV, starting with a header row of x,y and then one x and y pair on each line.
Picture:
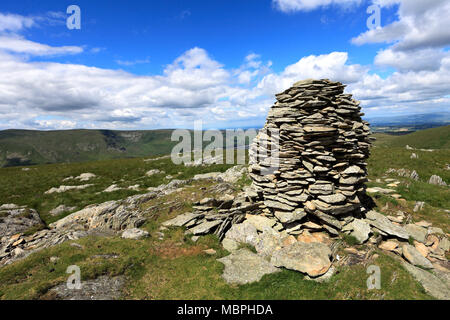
x,y
134,234
182,219
244,232
290,216
260,222
432,284
244,266
205,227
102,288
382,223
311,258
415,257
417,232
359,229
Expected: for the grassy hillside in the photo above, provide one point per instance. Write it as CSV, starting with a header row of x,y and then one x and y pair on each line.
x,y
177,267
435,138
26,147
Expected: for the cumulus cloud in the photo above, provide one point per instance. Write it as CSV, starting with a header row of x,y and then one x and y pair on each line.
x,y
14,22
411,60
50,95
307,5
420,24
332,66
55,124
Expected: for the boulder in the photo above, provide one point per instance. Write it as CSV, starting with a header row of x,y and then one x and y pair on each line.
x,y
311,258
415,257
244,266
432,284
359,229
135,234
382,223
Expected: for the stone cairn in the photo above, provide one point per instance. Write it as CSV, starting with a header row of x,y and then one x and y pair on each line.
x,y
310,156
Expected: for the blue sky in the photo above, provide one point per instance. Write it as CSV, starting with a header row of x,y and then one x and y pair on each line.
x,y
164,64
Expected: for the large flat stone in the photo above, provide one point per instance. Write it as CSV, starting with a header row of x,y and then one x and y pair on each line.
x,y
382,223
290,216
359,229
182,219
244,232
311,258
205,227
417,232
414,257
432,284
260,222
244,266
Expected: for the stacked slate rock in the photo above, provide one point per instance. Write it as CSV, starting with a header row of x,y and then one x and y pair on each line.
x,y
322,144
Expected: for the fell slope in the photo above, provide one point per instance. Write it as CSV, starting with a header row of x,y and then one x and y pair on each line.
x,y
27,147
435,138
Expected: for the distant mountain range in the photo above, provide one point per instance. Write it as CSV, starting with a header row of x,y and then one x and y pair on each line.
x,y
29,147
428,119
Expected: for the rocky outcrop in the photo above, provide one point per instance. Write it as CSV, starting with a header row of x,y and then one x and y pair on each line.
x,y
434,179
63,188
109,218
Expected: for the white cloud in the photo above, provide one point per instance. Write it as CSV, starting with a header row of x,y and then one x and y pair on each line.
x,y
333,66
412,60
308,5
14,22
421,24
55,124
18,44
196,86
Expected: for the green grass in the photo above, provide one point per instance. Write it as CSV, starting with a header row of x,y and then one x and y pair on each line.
x,y
26,147
177,268
181,270
29,187
350,240
435,138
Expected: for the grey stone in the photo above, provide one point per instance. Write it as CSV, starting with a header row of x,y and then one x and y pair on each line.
x,y
205,227
182,219
434,179
260,222
418,233
382,223
414,257
268,241
61,209
230,245
290,216
244,266
135,234
334,198
359,229
432,284
311,258
102,288
244,232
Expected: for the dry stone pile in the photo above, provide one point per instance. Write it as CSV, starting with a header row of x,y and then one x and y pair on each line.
x,y
322,144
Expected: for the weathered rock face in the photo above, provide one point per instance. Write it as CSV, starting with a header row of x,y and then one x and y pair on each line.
x,y
311,152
